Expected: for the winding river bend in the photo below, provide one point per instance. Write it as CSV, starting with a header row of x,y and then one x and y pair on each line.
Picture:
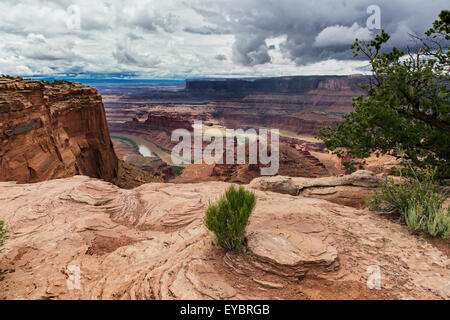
x,y
145,151
147,148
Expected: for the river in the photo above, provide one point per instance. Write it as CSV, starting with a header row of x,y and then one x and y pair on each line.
x,y
145,151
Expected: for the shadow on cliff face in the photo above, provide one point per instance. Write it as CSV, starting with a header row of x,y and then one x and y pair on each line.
x,y
51,130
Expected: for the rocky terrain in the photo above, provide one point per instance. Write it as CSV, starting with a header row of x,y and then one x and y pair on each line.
x,y
292,162
349,190
151,243
131,176
53,131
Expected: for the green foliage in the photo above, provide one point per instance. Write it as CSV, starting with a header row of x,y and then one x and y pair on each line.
x,y
6,76
228,218
57,83
3,233
429,217
406,111
417,200
177,170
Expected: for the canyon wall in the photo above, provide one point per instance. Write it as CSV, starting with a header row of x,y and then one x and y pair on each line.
x,y
53,130
240,88
301,104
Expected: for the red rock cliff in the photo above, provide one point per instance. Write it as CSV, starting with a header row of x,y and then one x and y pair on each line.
x,y
53,131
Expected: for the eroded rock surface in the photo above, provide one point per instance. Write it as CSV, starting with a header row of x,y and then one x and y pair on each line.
x,y
291,256
151,243
350,190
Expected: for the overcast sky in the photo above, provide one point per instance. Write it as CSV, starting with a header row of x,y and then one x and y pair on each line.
x,y
197,38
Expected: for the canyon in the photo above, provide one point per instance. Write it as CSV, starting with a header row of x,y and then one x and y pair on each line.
x,y
77,198
297,106
58,129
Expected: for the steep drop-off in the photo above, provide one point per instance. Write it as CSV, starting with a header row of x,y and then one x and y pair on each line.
x,y
53,130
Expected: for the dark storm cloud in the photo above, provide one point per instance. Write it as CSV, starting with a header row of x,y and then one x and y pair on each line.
x,y
206,30
314,30
127,56
250,50
221,57
190,37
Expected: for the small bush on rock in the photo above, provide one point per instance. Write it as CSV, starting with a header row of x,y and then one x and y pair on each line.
x,y
428,217
228,218
417,200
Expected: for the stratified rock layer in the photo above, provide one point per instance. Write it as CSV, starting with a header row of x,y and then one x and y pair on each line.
x,y
299,104
350,190
151,243
53,131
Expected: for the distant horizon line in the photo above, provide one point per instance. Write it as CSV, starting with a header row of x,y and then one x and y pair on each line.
x,y
175,79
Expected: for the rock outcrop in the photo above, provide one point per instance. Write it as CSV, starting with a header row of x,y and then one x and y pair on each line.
x,y
350,190
50,131
151,243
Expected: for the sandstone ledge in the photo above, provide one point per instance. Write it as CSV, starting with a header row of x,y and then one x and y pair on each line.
x,y
151,243
350,190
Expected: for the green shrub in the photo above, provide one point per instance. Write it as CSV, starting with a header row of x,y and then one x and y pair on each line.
x,y
228,218
428,217
57,82
178,170
7,76
417,200
3,233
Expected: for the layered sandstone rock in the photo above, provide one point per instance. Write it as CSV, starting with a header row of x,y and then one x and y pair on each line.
x,y
297,104
53,131
350,190
151,243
